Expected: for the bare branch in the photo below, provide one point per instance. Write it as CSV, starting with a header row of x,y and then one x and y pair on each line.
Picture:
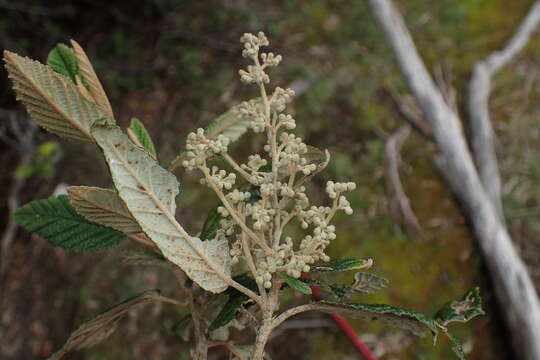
x,y
482,134
513,285
400,206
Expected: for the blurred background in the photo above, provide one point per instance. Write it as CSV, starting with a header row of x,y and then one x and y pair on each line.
x,y
173,65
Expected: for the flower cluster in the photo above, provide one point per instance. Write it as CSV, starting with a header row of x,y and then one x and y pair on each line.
x,y
199,148
255,216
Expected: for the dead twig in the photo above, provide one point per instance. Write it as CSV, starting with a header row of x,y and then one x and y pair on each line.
x,y
482,133
399,207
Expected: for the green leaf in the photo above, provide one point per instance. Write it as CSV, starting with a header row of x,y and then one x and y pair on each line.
x,y
103,325
103,206
149,192
62,60
457,347
24,172
141,135
47,149
228,312
418,323
462,310
57,221
211,225
52,100
343,265
296,284
236,299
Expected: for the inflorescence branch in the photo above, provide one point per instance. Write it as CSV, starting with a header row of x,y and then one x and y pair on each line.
x,y
255,227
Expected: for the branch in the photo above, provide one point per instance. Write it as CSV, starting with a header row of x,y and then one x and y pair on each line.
x,y
400,206
298,310
482,134
513,285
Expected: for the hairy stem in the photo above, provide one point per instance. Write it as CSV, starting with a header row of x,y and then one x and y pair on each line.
x,y
236,167
263,334
200,352
251,263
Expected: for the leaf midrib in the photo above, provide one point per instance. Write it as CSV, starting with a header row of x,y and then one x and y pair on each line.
x,y
45,96
169,216
102,207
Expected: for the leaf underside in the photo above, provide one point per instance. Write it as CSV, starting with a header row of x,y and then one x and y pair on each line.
x,y
149,192
57,221
230,124
367,283
102,326
462,310
145,258
94,85
103,206
52,100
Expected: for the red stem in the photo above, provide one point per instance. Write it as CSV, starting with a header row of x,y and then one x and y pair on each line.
x,y
346,328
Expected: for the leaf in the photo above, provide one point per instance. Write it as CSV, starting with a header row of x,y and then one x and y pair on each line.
x,y
457,347
236,299
462,310
99,328
337,290
24,172
367,283
51,99
363,283
62,60
296,284
343,265
418,323
57,221
228,312
94,85
138,132
144,257
103,206
149,192
231,123
211,225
